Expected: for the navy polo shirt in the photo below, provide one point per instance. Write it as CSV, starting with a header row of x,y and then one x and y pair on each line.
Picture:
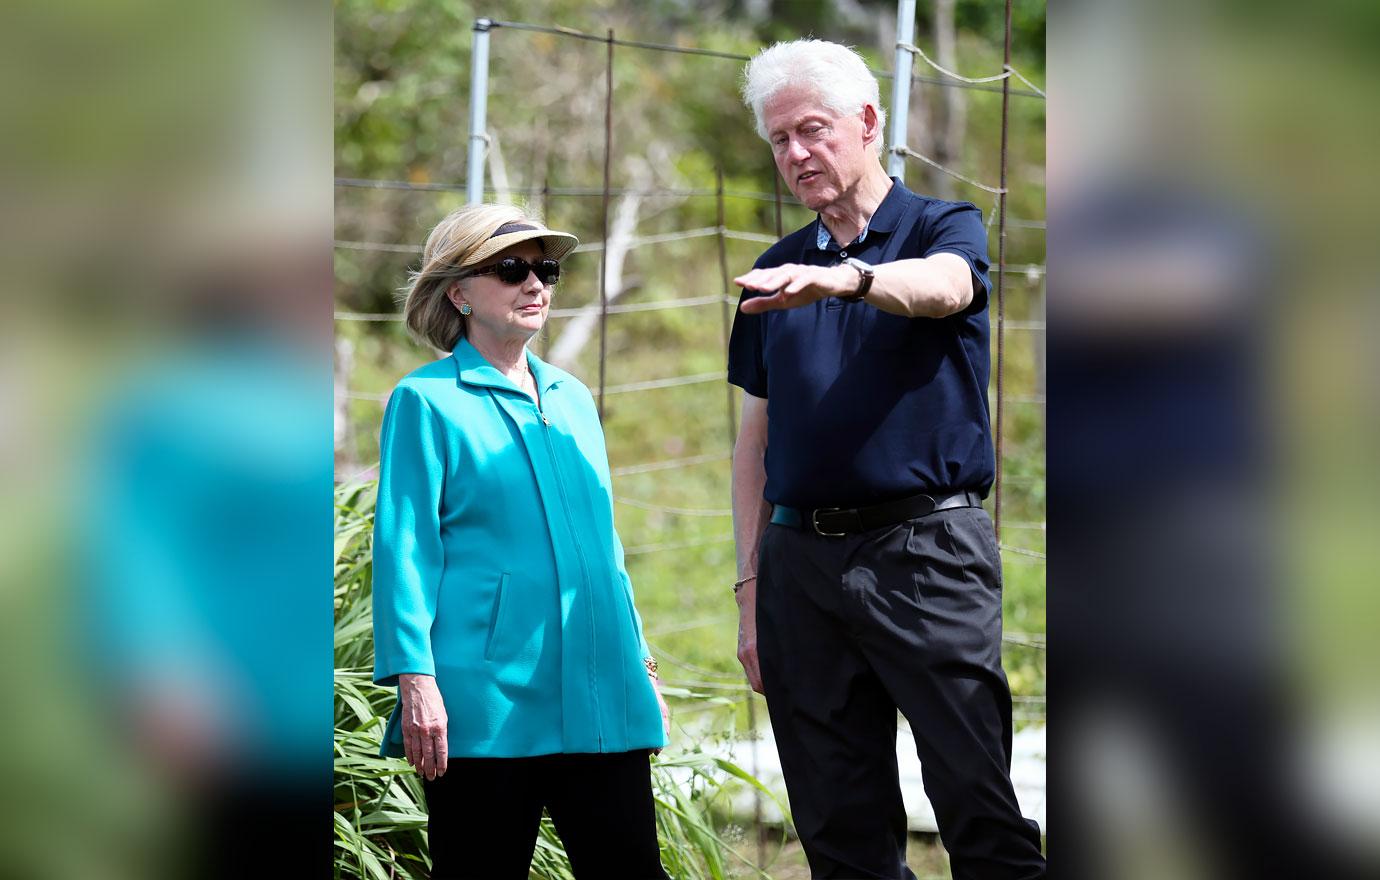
x,y
865,406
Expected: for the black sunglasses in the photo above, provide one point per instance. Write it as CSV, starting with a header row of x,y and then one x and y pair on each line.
x,y
513,270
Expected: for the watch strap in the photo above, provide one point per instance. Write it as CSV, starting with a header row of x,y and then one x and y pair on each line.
x,y
865,276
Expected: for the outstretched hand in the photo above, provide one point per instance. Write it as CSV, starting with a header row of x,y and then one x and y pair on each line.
x,y
794,284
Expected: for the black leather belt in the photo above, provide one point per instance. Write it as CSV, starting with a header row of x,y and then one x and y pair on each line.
x,y
834,521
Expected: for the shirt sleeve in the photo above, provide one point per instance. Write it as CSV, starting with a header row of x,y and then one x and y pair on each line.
x,y
408,558
957,228
747,365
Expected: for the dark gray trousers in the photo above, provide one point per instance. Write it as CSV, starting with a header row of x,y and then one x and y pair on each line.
x,y
849,630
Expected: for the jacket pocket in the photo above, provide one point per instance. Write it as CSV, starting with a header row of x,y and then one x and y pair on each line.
x,y
496,616
634,632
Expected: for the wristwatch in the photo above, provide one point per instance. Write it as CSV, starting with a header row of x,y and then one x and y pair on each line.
x,y
865,276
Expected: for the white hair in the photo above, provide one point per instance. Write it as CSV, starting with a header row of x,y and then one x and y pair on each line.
x,y
834,72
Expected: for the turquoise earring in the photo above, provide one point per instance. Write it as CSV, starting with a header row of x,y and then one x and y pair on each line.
x,y
466,310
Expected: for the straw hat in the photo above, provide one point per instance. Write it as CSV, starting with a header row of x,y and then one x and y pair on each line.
x,y
554,244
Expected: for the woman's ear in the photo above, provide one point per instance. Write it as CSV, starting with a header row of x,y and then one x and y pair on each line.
x,y
455,294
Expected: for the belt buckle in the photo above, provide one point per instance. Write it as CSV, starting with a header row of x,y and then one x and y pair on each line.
x,y
814,521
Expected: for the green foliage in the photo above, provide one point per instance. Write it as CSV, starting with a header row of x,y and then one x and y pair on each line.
x,y
380,818
985,18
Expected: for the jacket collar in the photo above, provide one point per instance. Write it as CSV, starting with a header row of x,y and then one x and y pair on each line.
x,y
472,369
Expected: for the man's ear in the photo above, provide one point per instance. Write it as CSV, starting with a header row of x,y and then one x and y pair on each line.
x,y
871,129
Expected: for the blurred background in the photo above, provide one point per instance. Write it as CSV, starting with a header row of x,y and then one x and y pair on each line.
x,y
1212,457
165,442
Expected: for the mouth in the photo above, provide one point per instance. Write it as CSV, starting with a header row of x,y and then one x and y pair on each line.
x,y
808,176
531,309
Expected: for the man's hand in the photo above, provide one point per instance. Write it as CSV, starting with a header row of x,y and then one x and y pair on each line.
x,y
751,513
936,286
793,285
747,634
423,724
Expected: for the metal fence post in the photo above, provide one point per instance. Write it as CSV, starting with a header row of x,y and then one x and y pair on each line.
x,y
604,254
900,89
479,100
1001,281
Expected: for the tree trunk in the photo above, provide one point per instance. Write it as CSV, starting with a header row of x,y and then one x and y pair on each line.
x,y
580,328
498,172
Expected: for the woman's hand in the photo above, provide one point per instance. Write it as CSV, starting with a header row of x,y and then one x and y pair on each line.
x,y
665,710
423,724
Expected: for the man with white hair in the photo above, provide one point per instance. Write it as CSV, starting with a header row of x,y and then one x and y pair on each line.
x,y
869,574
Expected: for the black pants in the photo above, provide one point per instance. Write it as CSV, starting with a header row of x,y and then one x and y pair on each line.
x,y
849,630
484,814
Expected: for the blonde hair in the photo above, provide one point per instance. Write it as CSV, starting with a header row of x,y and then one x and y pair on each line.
x,y
833,72
430,316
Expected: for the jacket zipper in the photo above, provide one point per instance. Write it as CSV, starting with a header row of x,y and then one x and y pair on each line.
x,y
584,570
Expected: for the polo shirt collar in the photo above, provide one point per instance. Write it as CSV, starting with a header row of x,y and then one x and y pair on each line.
x,y
884,219
823,238
475,370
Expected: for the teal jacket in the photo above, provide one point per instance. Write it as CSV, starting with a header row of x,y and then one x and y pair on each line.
x,y
497,568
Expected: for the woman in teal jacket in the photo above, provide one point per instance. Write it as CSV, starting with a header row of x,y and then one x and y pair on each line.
x,y
502,608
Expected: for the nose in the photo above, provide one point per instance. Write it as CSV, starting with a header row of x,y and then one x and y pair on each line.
x,y
796,152
532,283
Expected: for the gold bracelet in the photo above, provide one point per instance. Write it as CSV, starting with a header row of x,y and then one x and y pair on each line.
x,y
650,663
738,585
